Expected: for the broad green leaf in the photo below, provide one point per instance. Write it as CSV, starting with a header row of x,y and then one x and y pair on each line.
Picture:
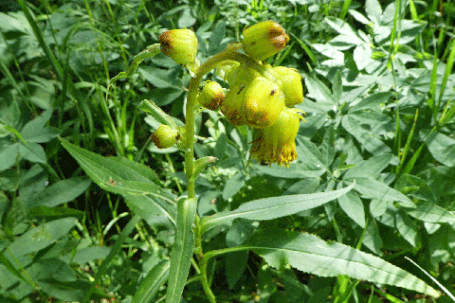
x,y
182,251
216,37
236,262
60,192
41,236
120,177
51,269
8,156
233,185
272,208
351,204
152,282
430,212
328,146
368,139
407,228
370,168
156,76
155,211
32,152
317,89
362,56
372,238
442,148
72,291
378,207
88,254
36,130
294,171
373,10
371,102
311,152
373,189
311,254
358,16
343,28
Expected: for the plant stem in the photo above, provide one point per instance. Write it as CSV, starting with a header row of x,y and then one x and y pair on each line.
x,y
209,65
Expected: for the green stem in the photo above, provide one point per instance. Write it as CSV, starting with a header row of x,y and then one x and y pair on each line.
x,y
209,65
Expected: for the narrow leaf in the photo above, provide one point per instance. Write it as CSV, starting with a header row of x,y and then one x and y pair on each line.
x,y
313,255
182,251
272,208
429,212
353,207
60,192
152,282
373,189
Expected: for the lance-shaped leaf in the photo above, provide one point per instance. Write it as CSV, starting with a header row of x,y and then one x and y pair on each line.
x,y
272,208
152,282
311,254
127,178
182,251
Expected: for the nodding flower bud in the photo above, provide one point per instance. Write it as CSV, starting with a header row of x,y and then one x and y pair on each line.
x,y
291,85
232,105
165,136
211,95
180,45
276,144
263,102
264,39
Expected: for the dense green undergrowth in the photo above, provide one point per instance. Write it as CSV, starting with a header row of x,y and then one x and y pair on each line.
x,y
88,203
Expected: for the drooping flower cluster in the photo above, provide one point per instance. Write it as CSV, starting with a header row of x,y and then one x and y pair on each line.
x,y
261,97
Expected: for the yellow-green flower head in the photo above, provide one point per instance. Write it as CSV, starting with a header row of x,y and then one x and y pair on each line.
x,y
264,39
276,144
291,84
211,95
263,102
232,105
180,45
165,136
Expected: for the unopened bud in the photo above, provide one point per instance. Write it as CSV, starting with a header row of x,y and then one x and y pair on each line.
x,y
232,105
291,85
165,136
180,45
211,96
264,39
263,102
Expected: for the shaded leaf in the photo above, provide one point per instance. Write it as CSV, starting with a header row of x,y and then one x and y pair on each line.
x,y
311,254
152,282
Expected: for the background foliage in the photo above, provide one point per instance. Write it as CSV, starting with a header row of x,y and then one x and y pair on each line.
x,y
379,103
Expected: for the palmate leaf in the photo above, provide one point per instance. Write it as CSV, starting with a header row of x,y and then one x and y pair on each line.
x,y
311,254
273,208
